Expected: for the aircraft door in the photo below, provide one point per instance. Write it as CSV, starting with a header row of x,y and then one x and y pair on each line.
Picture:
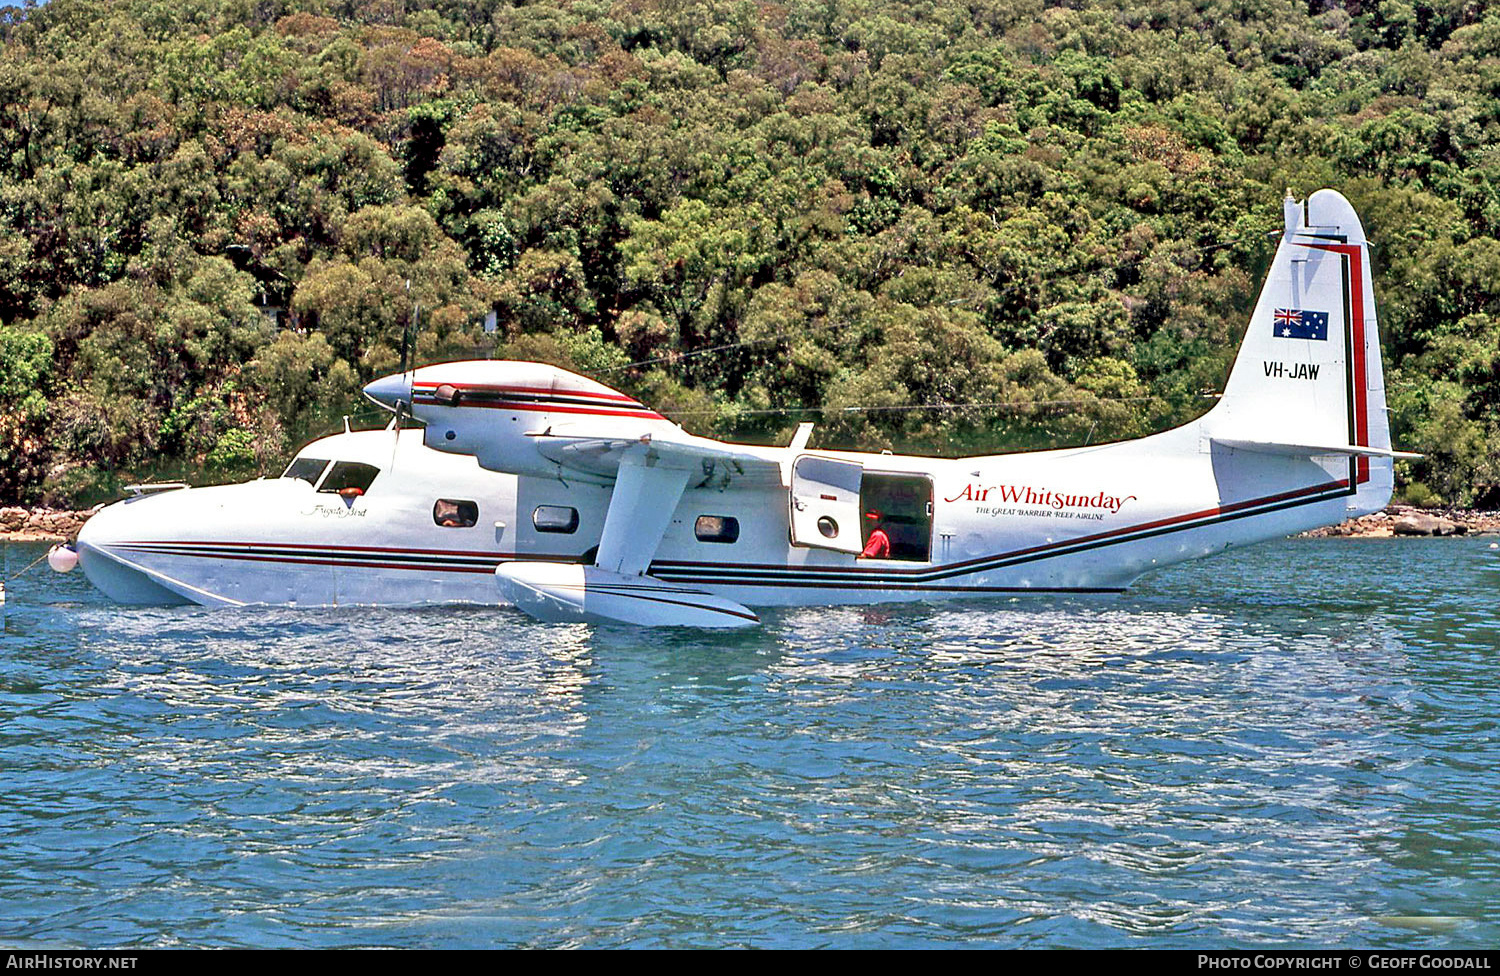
x,y
825,503
904,502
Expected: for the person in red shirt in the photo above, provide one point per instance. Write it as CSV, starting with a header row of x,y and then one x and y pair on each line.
x,y
878,545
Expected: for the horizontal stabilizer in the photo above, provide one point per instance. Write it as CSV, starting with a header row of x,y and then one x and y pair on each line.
x,y
1313,450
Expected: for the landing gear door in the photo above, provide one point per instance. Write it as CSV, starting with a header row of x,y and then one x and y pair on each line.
x,y
825,503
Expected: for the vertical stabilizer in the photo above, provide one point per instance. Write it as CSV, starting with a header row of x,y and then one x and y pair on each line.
x,y
1308,377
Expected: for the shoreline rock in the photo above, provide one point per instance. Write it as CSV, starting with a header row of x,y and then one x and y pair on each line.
x,y
1403,520
21,524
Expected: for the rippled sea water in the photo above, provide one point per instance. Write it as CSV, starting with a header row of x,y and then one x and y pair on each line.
x,y
1293,745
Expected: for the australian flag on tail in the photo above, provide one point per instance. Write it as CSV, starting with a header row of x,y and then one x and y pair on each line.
x,y
1294,323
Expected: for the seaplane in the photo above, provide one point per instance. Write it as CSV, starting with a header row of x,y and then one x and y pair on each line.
x,y
532,486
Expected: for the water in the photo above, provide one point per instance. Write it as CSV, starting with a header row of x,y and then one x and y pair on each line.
x,y
1295,745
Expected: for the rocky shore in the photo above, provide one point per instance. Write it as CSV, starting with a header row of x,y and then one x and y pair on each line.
x,y
18,524
1401,520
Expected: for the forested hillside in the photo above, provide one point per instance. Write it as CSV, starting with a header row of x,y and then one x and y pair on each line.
x,y
986,224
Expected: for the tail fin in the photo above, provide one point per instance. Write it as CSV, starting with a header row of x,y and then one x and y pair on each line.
x,y
1307,380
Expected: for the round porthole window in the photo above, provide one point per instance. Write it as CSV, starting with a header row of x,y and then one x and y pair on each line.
x,y
828,527
450,435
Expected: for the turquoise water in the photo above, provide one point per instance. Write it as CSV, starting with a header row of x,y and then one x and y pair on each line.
x,y
1293,745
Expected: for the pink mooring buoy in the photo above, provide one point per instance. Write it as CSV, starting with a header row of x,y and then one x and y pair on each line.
x,y
62,558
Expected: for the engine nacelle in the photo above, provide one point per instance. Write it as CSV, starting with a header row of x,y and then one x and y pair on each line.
x,y
497,410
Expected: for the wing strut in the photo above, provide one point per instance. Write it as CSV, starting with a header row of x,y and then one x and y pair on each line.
x,y
645,497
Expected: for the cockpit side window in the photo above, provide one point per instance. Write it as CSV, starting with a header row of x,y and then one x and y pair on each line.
x,y
306,469
349,478
451,513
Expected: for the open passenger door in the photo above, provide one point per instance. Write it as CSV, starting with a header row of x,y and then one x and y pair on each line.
x,y
825,503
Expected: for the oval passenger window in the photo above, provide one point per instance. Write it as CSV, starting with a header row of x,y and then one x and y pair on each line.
x,y
828,527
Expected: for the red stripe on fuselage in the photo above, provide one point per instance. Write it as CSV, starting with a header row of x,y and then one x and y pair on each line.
x,y
1361,432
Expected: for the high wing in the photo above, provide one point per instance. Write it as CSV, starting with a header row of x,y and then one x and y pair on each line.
x,y
535,419
710,463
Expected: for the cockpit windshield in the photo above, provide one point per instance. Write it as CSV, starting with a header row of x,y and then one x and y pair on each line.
x,y
308,469
349,478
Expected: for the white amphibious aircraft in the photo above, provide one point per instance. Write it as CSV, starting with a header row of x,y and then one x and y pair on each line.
x,y
534,486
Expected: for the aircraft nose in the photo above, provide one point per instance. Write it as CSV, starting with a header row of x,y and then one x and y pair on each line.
x,y
388,391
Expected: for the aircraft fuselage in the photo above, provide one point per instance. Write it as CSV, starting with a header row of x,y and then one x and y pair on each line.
x,y
1084,521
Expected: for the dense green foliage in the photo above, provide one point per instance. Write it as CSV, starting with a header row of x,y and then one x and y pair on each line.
x,y
1039,223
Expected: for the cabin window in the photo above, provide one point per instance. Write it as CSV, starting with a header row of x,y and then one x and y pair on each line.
x,y
717,528
349,478
305,469
452,513
555,518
